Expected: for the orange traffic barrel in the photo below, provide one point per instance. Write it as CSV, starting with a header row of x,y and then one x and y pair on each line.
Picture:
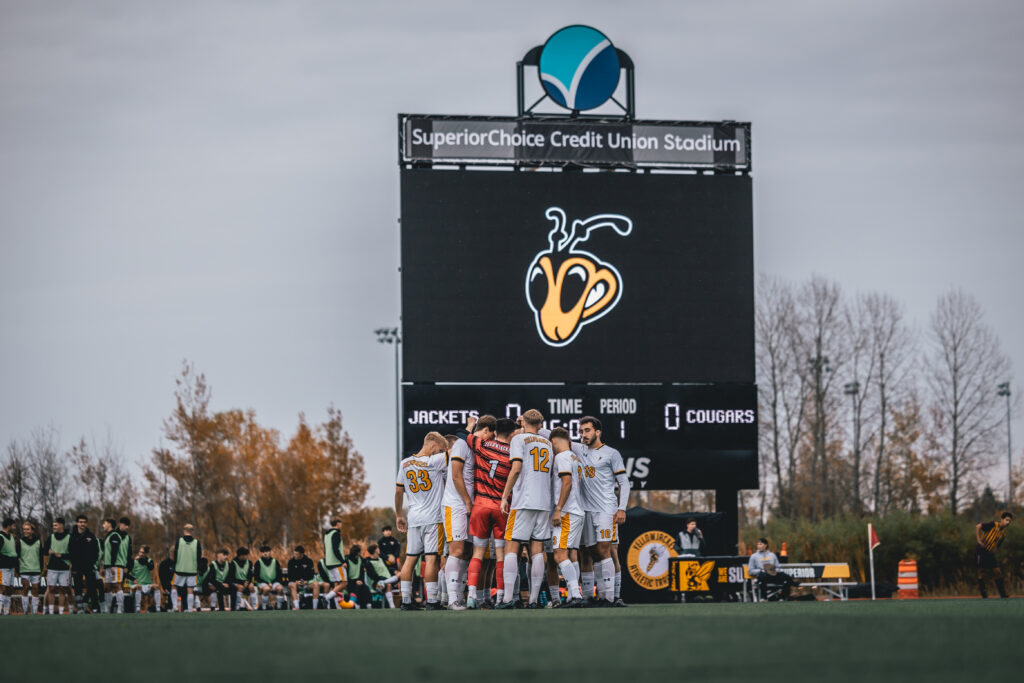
x,y
907,579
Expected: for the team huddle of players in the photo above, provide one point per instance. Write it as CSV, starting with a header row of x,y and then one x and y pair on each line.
x,y
507,484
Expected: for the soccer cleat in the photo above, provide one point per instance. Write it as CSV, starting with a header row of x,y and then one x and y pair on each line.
x,y
534,605
471,603
433,607
486,604
458,606
619,602
574,603
505,605
411,607
601,602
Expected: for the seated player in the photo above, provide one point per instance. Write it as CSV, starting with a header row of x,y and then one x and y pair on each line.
x,y
241,580
421,477
57,552
379,576
567,516
300,574
268,579
527,501
321,585
165,579
217,582
147,596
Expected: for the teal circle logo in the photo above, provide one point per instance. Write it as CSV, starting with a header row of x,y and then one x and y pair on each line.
x,y
579,68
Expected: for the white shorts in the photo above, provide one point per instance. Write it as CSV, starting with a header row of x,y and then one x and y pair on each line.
x,y
567,534
58,578
598,527
32,579
182,581
528,525
113,574
273,586
456,524
7,577
148,588
336,574
425,540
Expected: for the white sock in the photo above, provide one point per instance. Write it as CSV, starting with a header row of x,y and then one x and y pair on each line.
x,y
138,601
471,592
463,576
536,576
406,592
390,599
431,591
295,604
60,610
587,584
442,584
606,583
618,584
191,602
572,582
452,570
119,596
255,598
264,601
157,595
510,572
49,608
108,602
35,604
174,600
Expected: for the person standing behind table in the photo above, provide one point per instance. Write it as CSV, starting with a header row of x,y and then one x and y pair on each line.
x,y
85,552
691,540
990,536
390,548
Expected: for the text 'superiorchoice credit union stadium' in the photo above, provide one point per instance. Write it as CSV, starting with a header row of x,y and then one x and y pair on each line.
x,y
584,264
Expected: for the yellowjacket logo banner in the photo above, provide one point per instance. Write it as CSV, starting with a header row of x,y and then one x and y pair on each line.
x,y
568,287
647,559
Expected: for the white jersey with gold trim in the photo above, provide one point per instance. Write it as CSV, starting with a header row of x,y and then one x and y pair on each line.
x,y
601,467
568,462
532,490
459,451
423,481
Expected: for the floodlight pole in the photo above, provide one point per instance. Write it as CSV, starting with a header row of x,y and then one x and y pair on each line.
x,y
1004,390
390,335
851,389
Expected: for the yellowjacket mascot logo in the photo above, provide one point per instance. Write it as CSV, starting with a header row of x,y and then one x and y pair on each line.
x,y
567,287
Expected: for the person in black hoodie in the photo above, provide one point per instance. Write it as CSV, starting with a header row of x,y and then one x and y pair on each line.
x,y
84,549
300,573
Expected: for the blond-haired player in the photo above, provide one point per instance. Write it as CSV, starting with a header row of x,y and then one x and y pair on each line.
x,y
567,515
527,501
421,477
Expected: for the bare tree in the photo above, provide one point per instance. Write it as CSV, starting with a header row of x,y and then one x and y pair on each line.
x,y
892,348
860,371
966,365
819,341
17,491
100,472
49,473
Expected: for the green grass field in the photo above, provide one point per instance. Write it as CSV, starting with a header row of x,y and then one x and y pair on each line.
x,y
969,641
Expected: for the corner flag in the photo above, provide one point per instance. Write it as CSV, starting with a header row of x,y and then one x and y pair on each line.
x,y
873,543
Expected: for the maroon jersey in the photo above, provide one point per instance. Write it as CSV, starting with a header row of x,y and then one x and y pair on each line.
x,y
492,467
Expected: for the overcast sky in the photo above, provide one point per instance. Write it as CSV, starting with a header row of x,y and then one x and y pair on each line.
x,y
218,181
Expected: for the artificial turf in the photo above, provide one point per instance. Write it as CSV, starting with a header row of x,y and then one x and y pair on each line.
x,y
970,641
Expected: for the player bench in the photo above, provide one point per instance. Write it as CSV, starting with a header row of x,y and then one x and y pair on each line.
x,y
831,578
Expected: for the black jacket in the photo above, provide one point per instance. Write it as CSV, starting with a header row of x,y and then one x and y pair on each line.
x,y
84,550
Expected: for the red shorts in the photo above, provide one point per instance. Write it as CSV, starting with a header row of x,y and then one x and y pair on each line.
x,y
487,520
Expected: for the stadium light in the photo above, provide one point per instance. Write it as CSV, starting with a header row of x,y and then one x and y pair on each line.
x,y
851,389
1004,390
390,335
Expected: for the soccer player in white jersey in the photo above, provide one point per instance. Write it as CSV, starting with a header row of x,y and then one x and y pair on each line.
x,y
527,500
421,476
458,505
567,514
603,469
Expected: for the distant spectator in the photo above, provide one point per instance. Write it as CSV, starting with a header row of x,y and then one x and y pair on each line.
x,y
390,548
691,540
764,567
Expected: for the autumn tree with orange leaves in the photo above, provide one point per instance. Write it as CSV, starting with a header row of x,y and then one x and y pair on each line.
x,y
234,480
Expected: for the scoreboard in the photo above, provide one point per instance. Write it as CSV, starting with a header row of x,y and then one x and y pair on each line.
x,y
679,436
